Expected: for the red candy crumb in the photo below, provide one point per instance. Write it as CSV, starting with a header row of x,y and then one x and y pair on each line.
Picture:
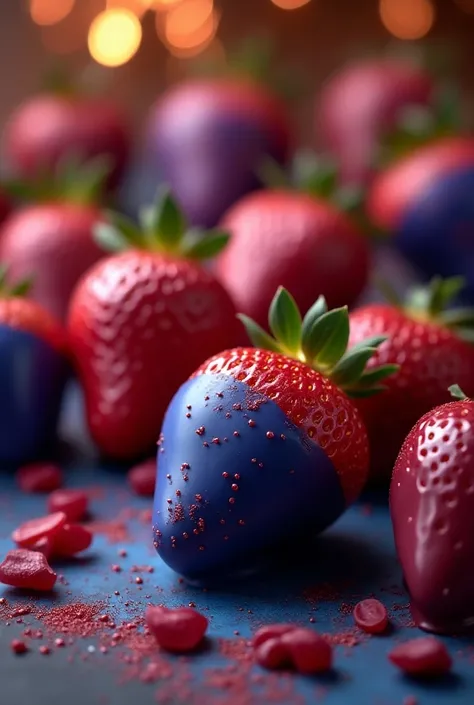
x,y
270,631
272,654
39,477
426,656
309,652
32,531
22,568
142,478
71,539
18,646
72,502
371,616
176,630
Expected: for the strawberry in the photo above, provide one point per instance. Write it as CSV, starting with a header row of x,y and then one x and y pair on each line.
x,y
51,239
425,201
360,103
33,372
141,320
432,508
52,126
263,446
426,341
207,137
307,245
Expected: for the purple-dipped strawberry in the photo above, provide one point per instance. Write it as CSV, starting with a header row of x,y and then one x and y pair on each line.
x,y
432,508
207,139
33,372
263,446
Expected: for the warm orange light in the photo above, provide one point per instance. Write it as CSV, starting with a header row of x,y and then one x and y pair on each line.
x,y
465,5
187,45
114,37
163,5
290,4
187,19
48,12
138,7
407,19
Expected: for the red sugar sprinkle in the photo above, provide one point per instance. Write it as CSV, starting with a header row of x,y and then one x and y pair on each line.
x,y
79,619
116,531
39,477
45,650
72,502
142,478
18,646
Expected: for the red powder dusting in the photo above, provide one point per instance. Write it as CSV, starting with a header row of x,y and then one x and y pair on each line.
x,y
325,592
79,619
116,531
347,638
410,700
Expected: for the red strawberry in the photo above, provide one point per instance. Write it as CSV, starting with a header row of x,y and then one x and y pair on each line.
x,y
141,320
49,127
304,244
272,450
426,341
51,241
360,103
432,508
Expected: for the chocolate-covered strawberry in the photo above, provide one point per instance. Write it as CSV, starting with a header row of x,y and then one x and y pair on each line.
x,y
207,137
432,345
50,239
263,445
424,200
432,508
141,320
52,126
33,372
305,244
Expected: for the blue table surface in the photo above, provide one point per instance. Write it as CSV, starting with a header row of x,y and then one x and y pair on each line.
x,y
353,560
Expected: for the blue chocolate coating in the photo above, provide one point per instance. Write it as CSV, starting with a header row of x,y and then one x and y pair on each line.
x,y
437,231
32,379
229,485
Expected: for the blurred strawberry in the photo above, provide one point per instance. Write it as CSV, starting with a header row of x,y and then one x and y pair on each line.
x,y
33,372
207,138
362,102
425,201
430,343
141,320
51,240
298,240
64,123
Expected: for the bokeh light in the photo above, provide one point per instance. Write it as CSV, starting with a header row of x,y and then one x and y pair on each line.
x,y
163,5
407,19
138,7
187,19
49,12
114,37
188,45
290,4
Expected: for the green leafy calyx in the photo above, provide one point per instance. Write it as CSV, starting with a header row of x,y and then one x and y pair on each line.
x,y
320,340
434,303
163,228
73,180
457,393
20,289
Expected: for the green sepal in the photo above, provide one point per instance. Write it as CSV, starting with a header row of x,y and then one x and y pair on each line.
x,y
164,222
284,320
318,309
350,367
109,238
258,336
202,244
362,392
327,341
19,289
272,174
369,379
432,302
314,174
457,393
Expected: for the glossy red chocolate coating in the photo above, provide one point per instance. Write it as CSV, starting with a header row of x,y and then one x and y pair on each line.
x,y
432,508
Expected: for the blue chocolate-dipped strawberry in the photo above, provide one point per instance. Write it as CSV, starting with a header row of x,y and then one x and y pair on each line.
x,y
263,445
207,138
425,200
33,372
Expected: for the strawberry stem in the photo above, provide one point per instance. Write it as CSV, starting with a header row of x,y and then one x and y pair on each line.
x,y
320,340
